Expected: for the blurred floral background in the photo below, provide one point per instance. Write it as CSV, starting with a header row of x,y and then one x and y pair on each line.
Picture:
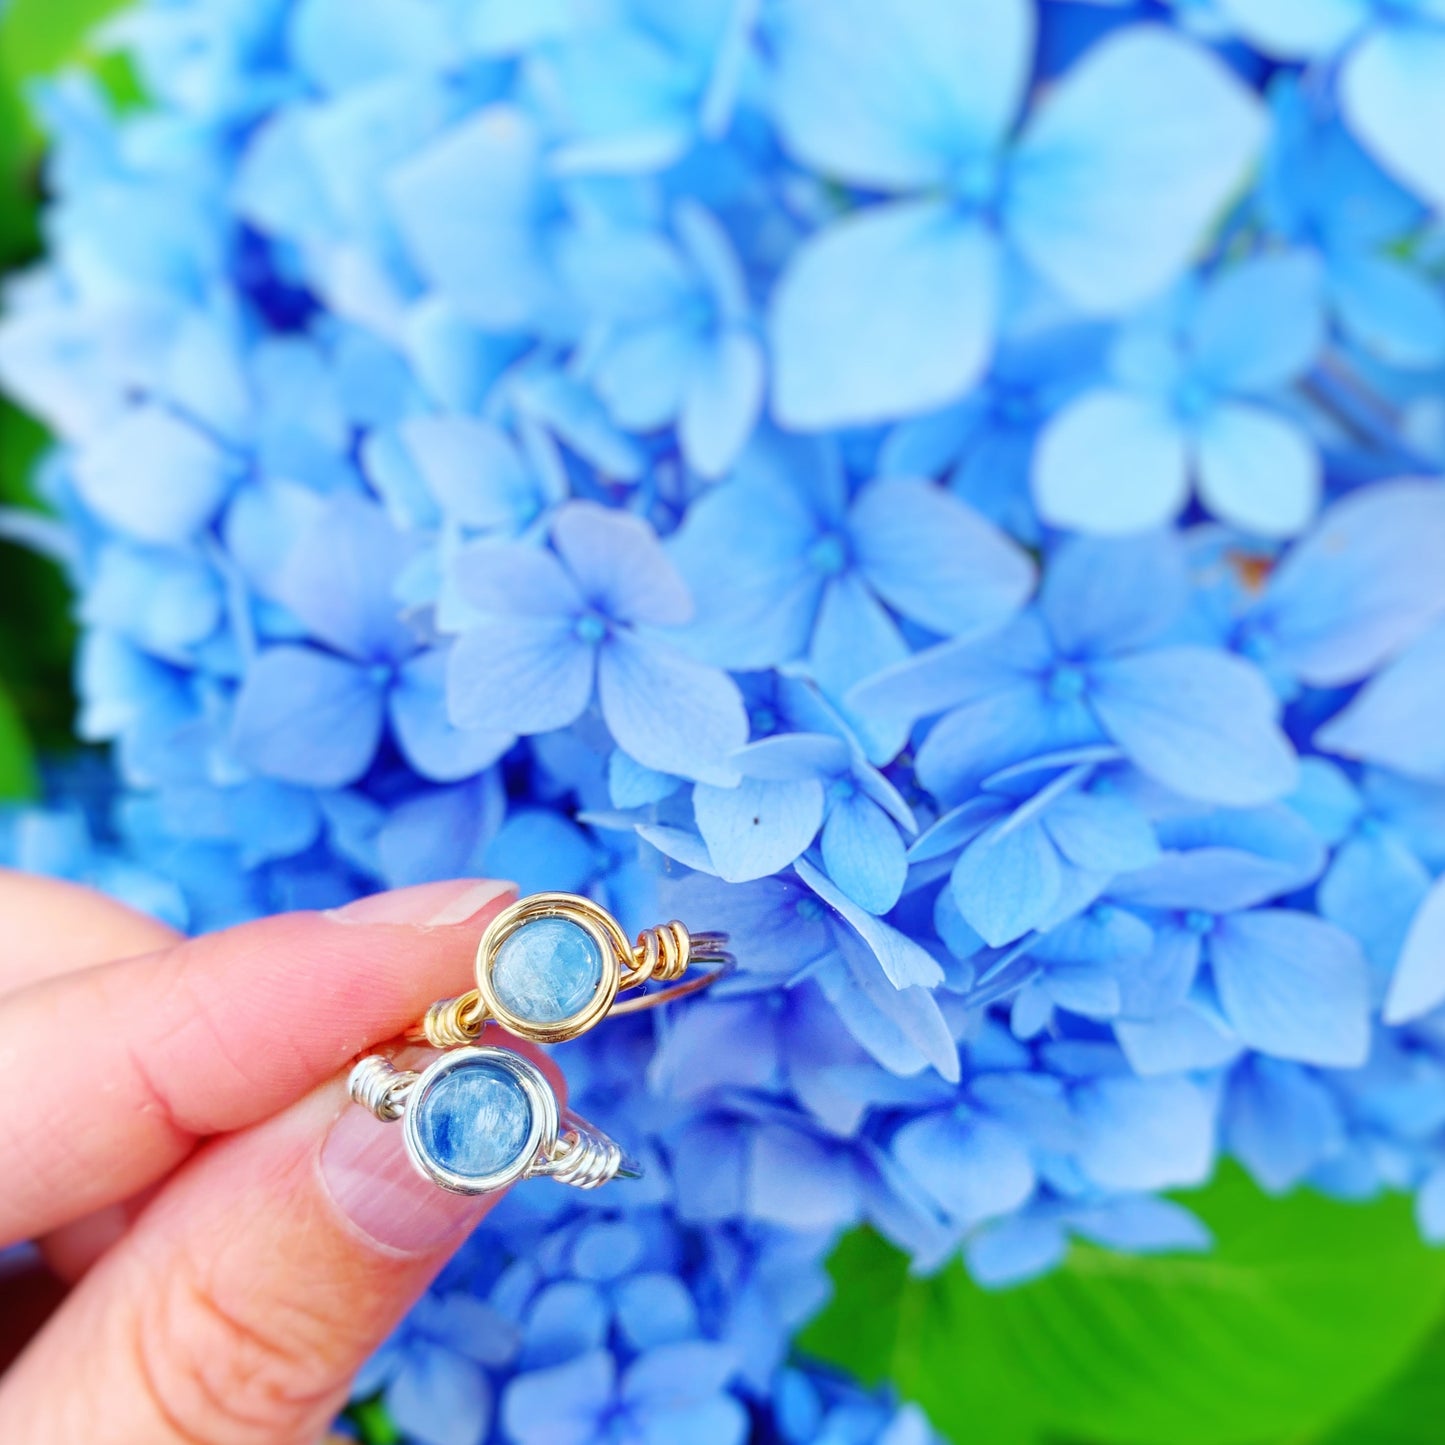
x,y
948,490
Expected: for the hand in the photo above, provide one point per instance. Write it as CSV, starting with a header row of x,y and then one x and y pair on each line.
x,y
176,1135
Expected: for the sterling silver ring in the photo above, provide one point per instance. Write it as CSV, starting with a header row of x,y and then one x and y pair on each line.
x,y
480,1118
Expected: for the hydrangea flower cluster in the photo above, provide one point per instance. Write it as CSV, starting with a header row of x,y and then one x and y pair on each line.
x,y
947,490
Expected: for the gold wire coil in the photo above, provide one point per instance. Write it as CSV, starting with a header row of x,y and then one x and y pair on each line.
x,y
662,954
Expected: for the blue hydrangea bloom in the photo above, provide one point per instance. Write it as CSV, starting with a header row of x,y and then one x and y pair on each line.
x,y
950,492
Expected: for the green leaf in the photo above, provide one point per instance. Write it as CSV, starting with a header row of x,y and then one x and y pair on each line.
x,y
374,1424
1408,1411
1304,1308
18,778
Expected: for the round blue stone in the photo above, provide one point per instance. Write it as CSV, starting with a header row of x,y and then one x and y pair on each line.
x,y
474,1120
547,970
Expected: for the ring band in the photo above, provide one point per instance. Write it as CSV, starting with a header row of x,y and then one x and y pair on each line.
x,y
479,1118
550,966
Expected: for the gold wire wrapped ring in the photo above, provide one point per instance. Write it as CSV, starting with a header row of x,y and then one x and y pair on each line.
x,y
552,965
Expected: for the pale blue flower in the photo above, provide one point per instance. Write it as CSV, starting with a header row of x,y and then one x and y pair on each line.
x,y
894,308
552,627
1190,401
1390,60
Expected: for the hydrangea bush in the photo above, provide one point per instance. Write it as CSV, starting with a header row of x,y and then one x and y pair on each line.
x,y
946,490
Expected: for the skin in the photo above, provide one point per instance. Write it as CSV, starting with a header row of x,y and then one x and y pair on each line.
x,y
224,1238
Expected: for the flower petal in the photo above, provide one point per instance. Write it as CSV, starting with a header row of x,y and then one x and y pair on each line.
x,y
1200,721
864,854
1418,985
1110,462
1293,985
1257,471
886,312
669,712
519,675
1394,719
1392,92
757,827
935,559
1124,165
619,565
1261,322
307,717
893,96
720,402
1361,585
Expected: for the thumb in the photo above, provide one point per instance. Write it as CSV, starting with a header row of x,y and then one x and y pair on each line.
x,y
248,1294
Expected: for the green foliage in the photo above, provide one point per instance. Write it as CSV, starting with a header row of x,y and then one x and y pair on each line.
x,y
1301,1313
374,1424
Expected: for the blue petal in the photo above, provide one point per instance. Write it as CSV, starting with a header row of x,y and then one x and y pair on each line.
x,y
1127,162
473,470
1393,719
1297,29
1200,721
669,712
891,97
1419,982
1101,831
338,577
801,1183
469,208
863,853
1362,584
1281,1122
1145,1133
1257,471
619,565
902,1028
561,1405
904,962
1006,883
1180,1041
1389,307
1293,985
758,827
151,476
521,675
887,312
307,717
1392,94
440,1398
935,559
721,402
432,745
679,1374
973,1169
765,526
500,579
1261,323
1109,594
853,638
1373,889
789,757
655,1309
1110,462
630,785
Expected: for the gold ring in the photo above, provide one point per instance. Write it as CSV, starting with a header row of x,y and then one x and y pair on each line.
x,y
551,966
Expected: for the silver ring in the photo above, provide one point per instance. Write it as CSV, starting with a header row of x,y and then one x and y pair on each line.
x,y
480,1118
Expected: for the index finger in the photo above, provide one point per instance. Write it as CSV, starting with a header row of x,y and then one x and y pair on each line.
x,y
128,1064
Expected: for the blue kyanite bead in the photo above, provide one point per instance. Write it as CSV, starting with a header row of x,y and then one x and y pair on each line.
x,y
547,970
475,1120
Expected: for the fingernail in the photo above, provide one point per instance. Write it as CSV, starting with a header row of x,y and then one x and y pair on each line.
x,y
426,905
365,1170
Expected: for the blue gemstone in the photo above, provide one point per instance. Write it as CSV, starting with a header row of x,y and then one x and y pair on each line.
x,y
547,970
474,1120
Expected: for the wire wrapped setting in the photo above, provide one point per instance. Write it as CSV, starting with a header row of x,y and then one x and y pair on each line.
x,y
380,1087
